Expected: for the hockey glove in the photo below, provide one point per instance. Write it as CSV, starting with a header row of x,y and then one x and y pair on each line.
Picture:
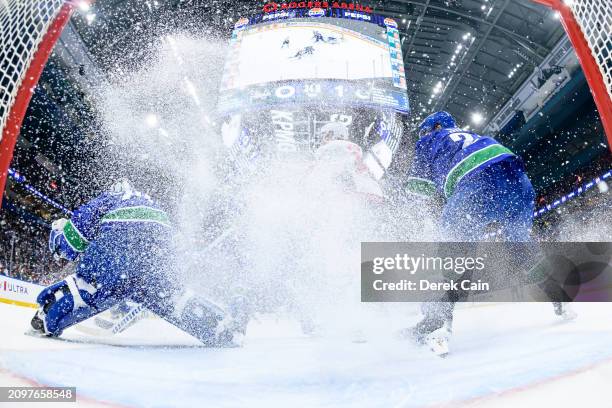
x,y
57,242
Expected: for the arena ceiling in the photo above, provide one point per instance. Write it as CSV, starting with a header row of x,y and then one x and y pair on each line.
x,y
465,56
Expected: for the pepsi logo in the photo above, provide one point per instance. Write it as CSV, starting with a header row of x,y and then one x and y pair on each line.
x,y
316,12
241,22
389,22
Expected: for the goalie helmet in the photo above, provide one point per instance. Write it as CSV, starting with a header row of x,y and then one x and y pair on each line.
x,y
121,187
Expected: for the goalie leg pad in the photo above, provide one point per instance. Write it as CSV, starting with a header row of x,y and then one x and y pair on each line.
x,y
193,314
65,304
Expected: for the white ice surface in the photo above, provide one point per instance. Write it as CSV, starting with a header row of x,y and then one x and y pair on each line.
x,y
502,355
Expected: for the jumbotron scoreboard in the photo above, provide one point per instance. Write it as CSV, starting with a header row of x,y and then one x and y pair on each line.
x,y
291,69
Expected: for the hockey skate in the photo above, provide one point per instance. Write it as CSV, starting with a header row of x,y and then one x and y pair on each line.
x,y
438,340
38,324
565,311
38,321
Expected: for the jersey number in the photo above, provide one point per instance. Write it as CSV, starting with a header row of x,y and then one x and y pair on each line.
x,y
466,138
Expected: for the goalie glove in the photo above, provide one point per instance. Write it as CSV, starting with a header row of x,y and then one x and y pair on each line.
x,y
58,245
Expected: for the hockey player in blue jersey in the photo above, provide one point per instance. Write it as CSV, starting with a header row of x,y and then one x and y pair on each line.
x,y
317,37
122,241
483,183
484,188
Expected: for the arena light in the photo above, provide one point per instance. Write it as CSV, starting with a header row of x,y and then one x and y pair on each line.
x,y
90,17
437,88
477,118
84,6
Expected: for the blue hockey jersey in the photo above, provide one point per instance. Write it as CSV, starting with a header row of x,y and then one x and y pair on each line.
x,y
108,210
445,157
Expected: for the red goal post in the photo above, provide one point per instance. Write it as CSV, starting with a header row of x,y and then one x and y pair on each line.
x,y
588,24
29,30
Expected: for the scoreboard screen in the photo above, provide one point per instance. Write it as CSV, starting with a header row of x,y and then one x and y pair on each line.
x,y
288,73
314,59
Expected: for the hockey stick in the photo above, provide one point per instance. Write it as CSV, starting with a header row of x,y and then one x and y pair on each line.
x,y
133,315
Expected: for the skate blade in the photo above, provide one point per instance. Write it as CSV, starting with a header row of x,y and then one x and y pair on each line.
x,y
35,333
39,335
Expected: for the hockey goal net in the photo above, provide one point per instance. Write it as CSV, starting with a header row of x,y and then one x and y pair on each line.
x,y
588,24
30,28
28,32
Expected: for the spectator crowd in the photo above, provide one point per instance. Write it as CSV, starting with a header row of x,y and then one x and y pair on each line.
x,y
23,250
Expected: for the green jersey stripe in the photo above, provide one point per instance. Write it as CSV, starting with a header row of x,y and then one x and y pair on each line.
x,y
421,186
74,237
470,163
136,214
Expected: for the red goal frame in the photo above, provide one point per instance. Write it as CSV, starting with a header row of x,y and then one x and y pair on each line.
x,y
24,94
587,61
17,112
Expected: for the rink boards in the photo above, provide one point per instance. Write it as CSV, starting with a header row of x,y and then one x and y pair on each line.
x,y
17,292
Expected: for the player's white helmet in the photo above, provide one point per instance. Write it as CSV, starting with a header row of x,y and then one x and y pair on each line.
x,y
334,131
121,186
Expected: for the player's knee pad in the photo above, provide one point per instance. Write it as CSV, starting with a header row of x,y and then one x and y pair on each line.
x,y
63,304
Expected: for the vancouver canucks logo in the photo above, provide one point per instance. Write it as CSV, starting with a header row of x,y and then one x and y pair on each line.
x,y
316,12
241,23
389,22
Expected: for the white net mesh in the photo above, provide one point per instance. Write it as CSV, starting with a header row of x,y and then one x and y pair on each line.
x,y
23,24
595,20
